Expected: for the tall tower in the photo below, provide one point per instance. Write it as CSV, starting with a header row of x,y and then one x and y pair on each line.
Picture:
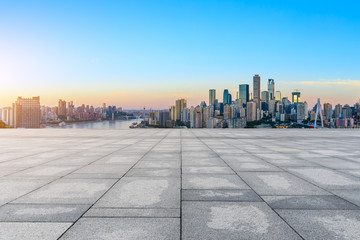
x,y
296,97
212,97
256,90
225,96
271,89
26,112
180,104
244,93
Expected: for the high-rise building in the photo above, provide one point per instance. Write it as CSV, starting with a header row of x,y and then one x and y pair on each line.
x,y
265,96
300,111
256,90
163,117
228,111
295,97
212,97
337,112
225,96
179,107
251,111
62,108
7,116
328,112
271,89
244,93
278,96
229,99
26,113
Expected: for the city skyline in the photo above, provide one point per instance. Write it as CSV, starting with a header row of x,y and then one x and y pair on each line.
x,y
150,53
193,100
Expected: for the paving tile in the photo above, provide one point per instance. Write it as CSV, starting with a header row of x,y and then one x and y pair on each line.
x,y
45,171
254,166
124,228
327,178
158,164
324,224
154,172
220,195
128,213
31,231
41,212
212,182
279,183
143,192
76,191
11,189
210,170
132,178
350,195
229,220
309,202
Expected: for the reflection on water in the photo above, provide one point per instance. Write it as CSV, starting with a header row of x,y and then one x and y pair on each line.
x,y
107,124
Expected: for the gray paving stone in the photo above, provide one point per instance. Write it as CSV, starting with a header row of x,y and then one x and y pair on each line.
x,y
254,166
76,191
143,192
128,213
279,183
41,212
49,174
350,195
355,173
220,195
327,178
45,171
324,224
31,231
309,202
210,170
11,189
212,182
124,228
229,220
158,164
154,172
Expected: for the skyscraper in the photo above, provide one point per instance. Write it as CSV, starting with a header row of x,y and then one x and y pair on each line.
x,y
271,89
277,96
244,93
250,111
328,112
179,107
256,90
62,108
26,112
225,96
265,96
229,100
296,97
212,97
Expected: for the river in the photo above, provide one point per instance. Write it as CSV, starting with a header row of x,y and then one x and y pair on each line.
x,y
106,124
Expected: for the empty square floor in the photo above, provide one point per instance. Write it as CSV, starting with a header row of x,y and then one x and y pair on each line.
x,y
179,184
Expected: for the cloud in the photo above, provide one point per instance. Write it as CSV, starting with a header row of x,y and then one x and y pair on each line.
x,y
307,83
349,83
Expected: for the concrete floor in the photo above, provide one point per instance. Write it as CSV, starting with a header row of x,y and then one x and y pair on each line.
x,y
179,184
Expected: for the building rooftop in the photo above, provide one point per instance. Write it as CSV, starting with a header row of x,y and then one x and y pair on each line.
x,y
179,184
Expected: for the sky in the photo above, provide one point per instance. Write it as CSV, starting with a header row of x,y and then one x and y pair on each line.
x,y
133,53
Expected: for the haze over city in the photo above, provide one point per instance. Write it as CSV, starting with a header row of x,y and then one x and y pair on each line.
x,y
150,53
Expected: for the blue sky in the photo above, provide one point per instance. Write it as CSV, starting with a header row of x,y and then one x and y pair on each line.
x,y
136,53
